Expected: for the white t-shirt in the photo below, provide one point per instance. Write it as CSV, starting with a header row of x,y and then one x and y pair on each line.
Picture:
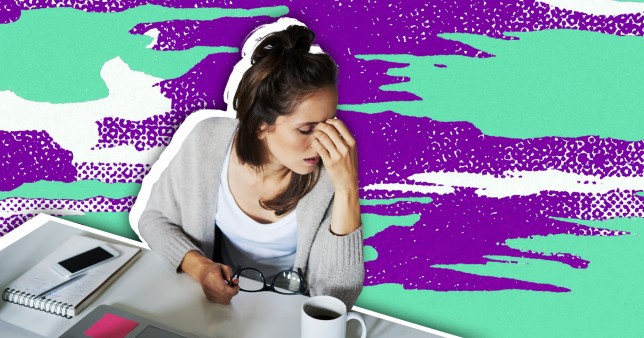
x,y
270,248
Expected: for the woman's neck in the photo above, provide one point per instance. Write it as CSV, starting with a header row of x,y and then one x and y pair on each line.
x,y
272,173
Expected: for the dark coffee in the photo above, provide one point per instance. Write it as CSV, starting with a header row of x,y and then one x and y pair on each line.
x,y
321,313
326,317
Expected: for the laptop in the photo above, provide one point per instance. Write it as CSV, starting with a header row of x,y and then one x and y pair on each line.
x,y
109,321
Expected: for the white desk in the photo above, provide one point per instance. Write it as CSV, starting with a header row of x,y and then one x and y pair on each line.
x,y
151,289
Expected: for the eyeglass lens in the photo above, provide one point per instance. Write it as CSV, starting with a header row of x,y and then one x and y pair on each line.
x,y
254,280
287,282
284,282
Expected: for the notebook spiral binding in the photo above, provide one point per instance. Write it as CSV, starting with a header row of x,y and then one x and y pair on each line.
x,y
42,304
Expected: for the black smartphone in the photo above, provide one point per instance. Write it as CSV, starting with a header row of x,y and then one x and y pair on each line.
x,y
77,264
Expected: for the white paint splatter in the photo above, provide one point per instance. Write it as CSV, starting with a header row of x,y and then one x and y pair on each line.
x,y
73,125
154,34
598,7
521,183
424,189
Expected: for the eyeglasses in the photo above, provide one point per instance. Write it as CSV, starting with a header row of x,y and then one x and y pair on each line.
x,y
286,282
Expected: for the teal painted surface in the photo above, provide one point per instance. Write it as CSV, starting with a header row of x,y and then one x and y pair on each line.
x,y
548,83
55,56
78,190
112,222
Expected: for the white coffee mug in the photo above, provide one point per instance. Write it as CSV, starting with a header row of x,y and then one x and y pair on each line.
x,y
327,317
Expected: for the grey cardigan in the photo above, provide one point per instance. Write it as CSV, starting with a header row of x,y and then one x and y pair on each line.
x,y
180,215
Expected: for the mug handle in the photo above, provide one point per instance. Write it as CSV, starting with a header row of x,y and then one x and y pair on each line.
x,y
358,317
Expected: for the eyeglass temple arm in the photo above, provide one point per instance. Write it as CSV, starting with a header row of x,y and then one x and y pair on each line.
x,y
237,271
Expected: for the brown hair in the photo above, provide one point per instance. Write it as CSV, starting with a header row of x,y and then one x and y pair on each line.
x,y
283,73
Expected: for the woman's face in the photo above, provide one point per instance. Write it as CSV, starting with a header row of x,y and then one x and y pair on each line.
x,y
289,140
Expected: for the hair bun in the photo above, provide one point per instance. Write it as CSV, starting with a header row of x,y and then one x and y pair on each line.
x,y
302,37
294,40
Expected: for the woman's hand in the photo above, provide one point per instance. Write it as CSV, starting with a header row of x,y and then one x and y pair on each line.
x,y
212,276
337,148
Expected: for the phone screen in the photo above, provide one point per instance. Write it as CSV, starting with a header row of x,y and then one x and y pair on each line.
x,y
85,259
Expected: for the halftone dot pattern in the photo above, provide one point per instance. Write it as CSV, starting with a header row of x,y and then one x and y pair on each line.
x,y
112,172
13,221
394,147
93,204
30,156
614,204
143,135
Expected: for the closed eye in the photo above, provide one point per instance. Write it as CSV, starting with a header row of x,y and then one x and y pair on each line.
x,y
306,132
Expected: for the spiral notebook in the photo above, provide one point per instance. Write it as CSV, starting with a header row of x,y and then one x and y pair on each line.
x,y
70,299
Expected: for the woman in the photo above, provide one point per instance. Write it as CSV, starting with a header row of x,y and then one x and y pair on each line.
x,y
275,189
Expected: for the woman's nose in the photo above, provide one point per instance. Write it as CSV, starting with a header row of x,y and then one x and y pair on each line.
x,y
308,142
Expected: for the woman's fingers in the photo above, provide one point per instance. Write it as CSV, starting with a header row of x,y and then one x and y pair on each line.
x,y
212,277
337,148
344,132
215,286
328,131
226,272
335,137
321,150
326,142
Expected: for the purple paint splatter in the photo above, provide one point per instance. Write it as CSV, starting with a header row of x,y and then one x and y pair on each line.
x,y
424,145
30,156
462,228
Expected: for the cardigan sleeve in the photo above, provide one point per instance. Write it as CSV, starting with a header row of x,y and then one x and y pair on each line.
x,y
336,263
161,223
